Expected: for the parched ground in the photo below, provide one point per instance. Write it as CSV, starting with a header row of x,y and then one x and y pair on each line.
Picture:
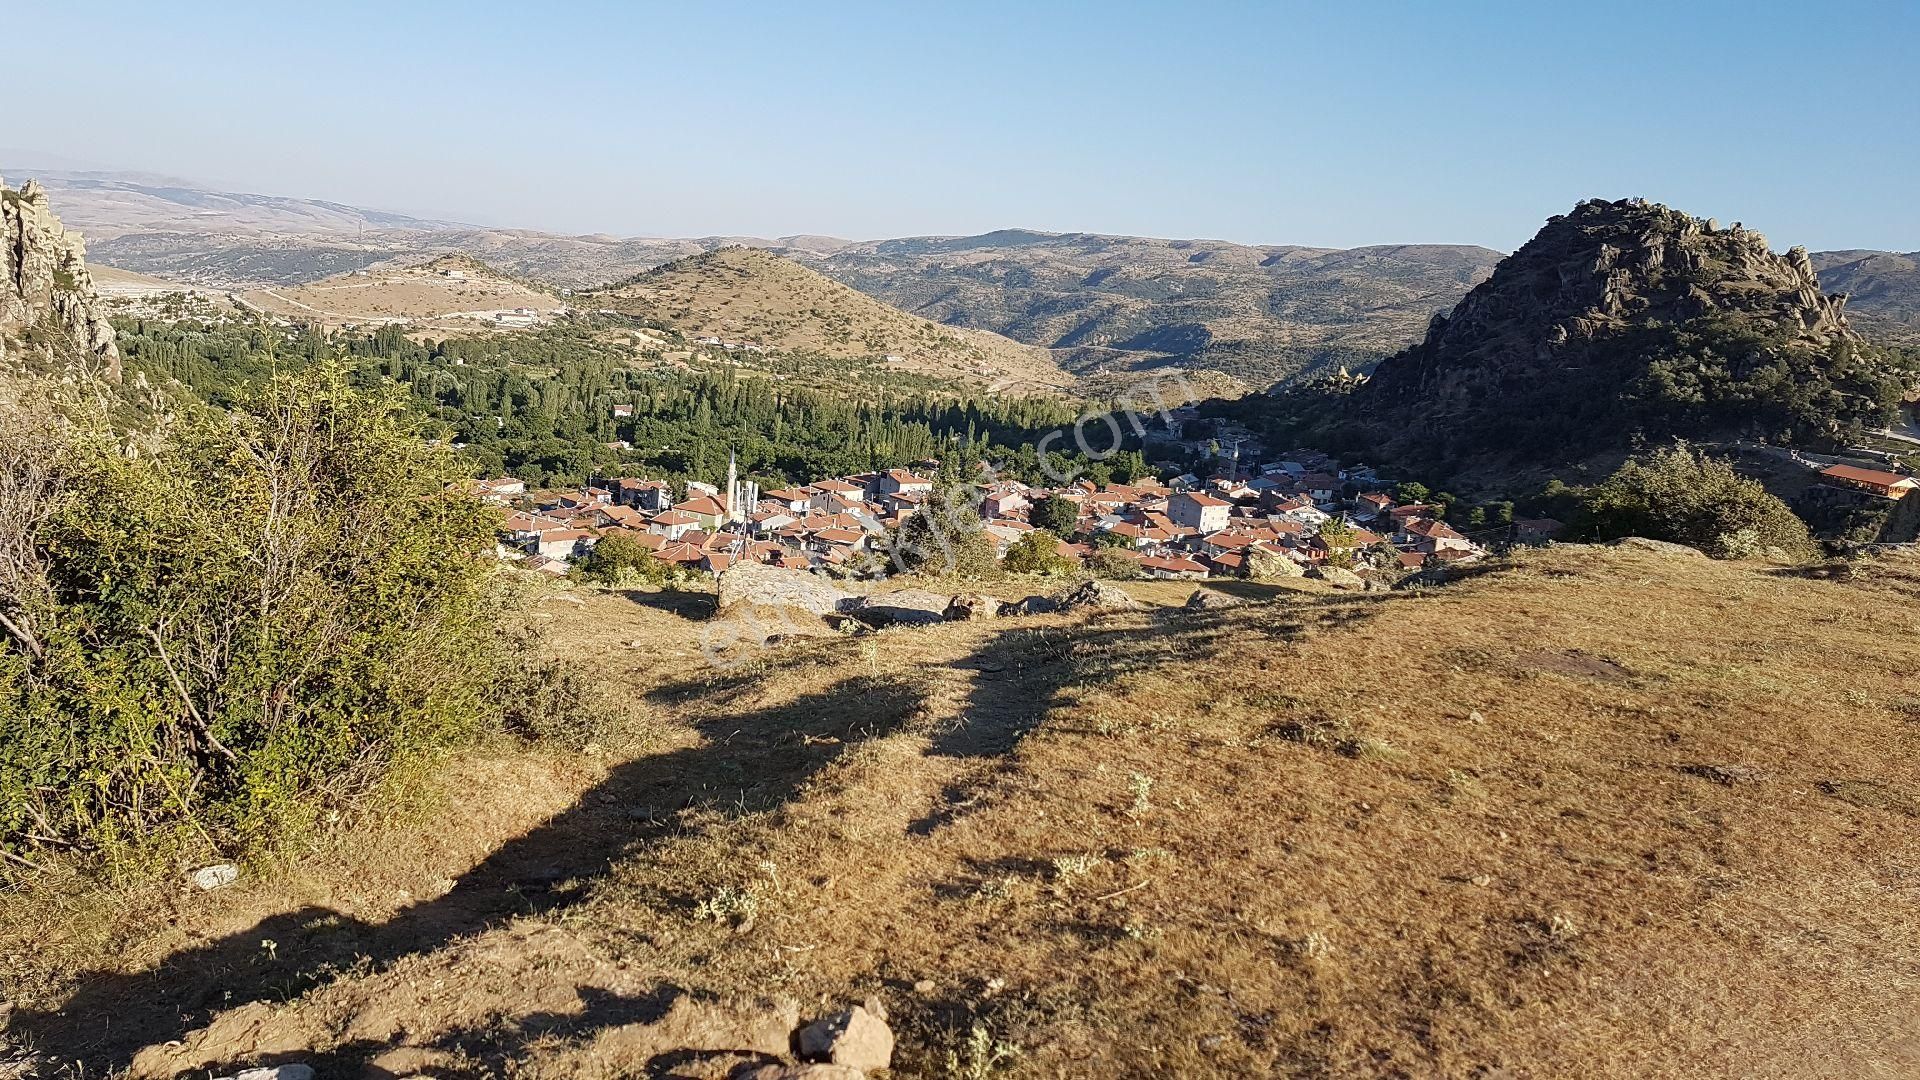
x,y
1597,813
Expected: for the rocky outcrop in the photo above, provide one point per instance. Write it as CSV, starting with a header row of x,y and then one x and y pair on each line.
x,y
965,606
1659,547
906,607
47,299
1625,320
757,585
1336,576
855,1038
1209,600
1098,595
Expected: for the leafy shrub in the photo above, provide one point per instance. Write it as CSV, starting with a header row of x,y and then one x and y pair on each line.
x,y
619,559
254,614
1681,495
1037,552
946,536
1058,515
1111,563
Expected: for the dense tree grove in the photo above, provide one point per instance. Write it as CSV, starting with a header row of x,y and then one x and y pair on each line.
x,y
542,406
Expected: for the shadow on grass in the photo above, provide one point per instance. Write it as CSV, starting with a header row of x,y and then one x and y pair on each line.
x,y
694,606
749,762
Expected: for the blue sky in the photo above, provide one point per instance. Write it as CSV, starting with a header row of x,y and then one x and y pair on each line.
x,y
1332,124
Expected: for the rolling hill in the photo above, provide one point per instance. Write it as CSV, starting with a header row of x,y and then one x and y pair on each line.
x,y
1259,314
752,297
452,293
1109,306
1883,290
105,204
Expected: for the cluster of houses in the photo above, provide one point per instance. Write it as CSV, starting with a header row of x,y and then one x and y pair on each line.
x,y
1191,528
829,524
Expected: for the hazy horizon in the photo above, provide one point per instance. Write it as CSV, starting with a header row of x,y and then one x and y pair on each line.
x,y
1254,125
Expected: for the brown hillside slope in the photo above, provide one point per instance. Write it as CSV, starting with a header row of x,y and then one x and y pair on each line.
x,y
451,293
744,295
1599,813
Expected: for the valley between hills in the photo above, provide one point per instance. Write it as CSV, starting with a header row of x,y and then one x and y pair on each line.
x,y
439,652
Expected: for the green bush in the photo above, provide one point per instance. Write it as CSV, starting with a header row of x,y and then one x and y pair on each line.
x,y
1681,495
946,536
1037,552
618,559
1057,515
217,632
1110,563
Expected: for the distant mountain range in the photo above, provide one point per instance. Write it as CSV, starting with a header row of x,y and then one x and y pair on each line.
x,y
1106,305
103,205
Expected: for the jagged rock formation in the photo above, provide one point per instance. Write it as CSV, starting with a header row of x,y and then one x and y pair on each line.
x,y
1622,320
47,299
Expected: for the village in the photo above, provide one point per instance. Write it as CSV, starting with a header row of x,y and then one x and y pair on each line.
x,y
1285,518
1303,513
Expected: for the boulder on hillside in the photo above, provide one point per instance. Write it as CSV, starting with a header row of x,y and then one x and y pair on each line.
x,y
1662,547
972,606
858,1038
1267,566
1209,600
1096,594
751,584
907,607
1337,576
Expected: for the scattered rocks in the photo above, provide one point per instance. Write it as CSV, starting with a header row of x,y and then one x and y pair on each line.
x,y
1337,576
857,1038
1725,774
1661,547
1096,594
217,876
1209,600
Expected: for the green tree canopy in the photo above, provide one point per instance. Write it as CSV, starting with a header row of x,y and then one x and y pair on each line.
x,y
1056,514
1682,495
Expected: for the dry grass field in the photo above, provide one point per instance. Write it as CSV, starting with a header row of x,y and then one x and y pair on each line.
x,y
1598,812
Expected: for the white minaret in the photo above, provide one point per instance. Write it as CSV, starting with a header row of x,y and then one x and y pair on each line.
x,y
733,489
